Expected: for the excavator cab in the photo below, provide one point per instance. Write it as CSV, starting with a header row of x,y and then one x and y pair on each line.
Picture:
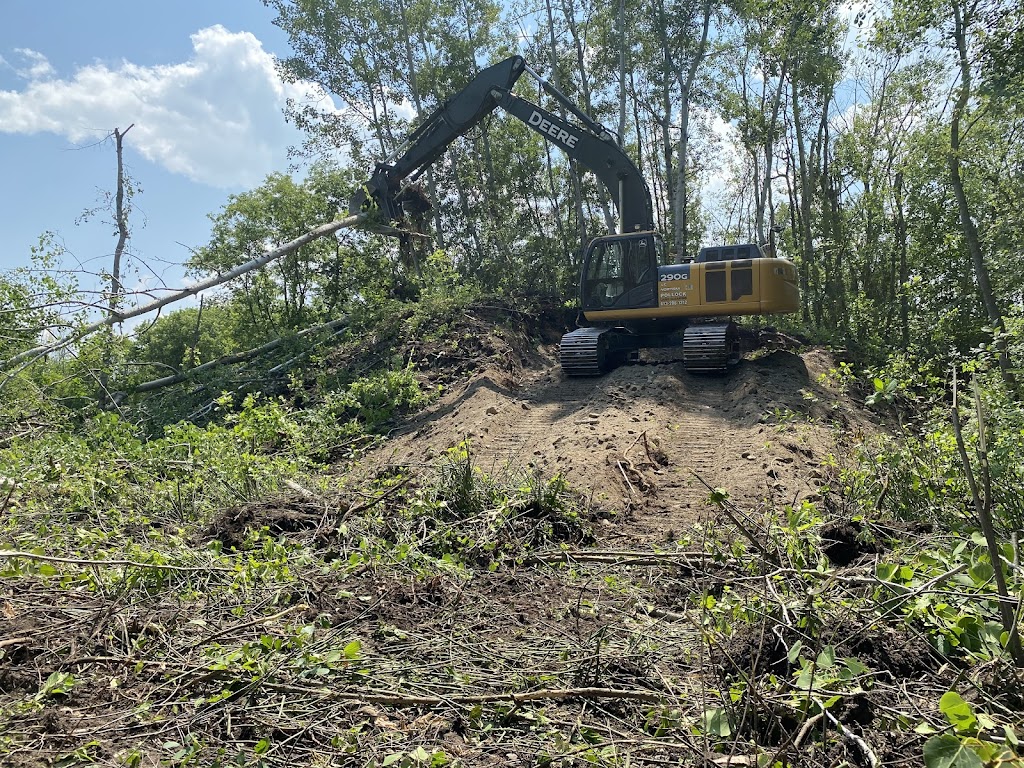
x,y
621,272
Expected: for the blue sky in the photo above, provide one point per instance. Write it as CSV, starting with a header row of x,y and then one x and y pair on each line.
x,y
195,77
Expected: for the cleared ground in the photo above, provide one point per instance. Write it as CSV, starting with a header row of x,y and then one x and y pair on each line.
x,y
555,627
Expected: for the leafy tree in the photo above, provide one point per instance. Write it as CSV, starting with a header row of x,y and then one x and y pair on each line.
x,y
308,285
191,336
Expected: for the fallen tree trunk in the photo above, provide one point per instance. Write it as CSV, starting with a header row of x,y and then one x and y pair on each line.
x,y
237,357
31,355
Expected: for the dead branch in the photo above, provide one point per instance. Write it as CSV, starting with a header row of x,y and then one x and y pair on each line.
x,y
239,627
731,511
396,699
13,554
689,559
377,499
860,743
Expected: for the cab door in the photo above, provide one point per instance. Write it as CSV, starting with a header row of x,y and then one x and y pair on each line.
x,y
621,273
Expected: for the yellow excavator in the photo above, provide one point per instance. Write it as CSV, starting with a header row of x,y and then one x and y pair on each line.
x,y
631,297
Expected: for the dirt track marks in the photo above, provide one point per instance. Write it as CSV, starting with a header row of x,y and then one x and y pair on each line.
x,y
643,441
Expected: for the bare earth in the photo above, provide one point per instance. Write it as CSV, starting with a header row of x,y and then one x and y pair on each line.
x,y
649,441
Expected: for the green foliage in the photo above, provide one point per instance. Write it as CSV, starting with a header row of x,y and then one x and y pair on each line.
x,y
57,684
444,297
189,337
35,298
314,283
964,617
963,748
110,470
376,399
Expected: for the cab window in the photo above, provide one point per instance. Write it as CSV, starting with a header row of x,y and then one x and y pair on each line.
x,y
604,281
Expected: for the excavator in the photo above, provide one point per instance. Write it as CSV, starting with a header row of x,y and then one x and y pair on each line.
x,y
631,298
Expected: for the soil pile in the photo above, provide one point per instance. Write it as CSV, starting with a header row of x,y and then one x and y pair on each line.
x,y
647,441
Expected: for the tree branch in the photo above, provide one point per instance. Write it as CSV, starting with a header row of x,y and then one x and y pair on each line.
x,y
237,357
31,355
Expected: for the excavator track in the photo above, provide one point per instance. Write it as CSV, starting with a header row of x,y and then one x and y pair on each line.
x,y
710,346
584,352
596,351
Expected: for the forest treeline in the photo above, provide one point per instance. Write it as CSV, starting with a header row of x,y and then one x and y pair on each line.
x,y
882,142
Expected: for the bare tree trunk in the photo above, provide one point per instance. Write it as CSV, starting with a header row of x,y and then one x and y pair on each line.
x,y
570,20
116,289
574,174
682,193
967,225
622,69
665,123
904,271
769,156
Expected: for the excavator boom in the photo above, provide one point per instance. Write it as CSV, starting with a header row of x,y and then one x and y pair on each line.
x,y
589,143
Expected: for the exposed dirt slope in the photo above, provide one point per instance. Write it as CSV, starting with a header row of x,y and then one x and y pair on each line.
x,y
647,440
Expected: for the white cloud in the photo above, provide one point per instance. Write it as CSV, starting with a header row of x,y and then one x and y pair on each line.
x,y
36,67
215,118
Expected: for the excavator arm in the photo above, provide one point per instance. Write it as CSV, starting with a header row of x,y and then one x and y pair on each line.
x,y
589,143
599,153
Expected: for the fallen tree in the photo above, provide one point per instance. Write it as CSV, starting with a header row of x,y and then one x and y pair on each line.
x,y
236,357
29,356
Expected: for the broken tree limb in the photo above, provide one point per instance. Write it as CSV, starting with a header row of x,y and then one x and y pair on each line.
x,y
31,355
237,357
399,699
14,554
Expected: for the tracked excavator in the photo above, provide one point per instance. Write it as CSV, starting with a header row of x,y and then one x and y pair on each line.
x,y
631,297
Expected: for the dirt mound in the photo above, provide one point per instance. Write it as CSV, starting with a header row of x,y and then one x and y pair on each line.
x,y
647,441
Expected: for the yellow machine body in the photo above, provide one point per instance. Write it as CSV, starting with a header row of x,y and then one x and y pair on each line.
x,y
762,286
625,281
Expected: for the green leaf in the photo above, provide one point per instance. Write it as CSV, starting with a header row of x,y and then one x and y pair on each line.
x,y
352,650
261,746
794,651
885,571
985,723
947,751
57,683
981,572
827,657
855,666
958,712
420,755
716,722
